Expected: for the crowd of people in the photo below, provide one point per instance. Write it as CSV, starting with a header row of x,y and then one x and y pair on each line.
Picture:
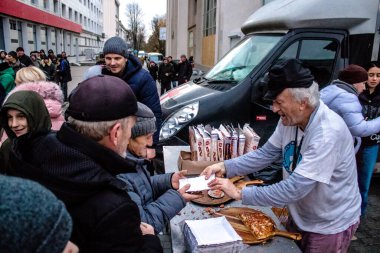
x,y
86,172
56,68
170,74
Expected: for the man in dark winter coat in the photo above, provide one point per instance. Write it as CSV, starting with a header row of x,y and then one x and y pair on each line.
x,y
64,74
80,162
165,74
185,70
24,59
127,67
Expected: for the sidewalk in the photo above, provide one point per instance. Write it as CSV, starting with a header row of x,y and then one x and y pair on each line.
x,y
368,233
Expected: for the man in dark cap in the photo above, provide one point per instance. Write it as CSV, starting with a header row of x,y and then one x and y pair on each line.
x,y
120,63
342,97
319,184
80,162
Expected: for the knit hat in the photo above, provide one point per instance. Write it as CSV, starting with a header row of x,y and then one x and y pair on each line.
x,y
103,98
115,45
32,219
287,74
144,125
353,74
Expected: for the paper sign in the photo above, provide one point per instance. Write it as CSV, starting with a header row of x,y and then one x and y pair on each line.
x,y
196,183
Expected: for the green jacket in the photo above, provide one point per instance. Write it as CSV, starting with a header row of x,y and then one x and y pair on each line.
x,y
7,79
33,106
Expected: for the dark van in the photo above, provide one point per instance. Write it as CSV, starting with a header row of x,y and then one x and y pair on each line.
x,y
326,35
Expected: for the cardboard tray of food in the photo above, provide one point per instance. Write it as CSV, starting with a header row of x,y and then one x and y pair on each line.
x,y
268,227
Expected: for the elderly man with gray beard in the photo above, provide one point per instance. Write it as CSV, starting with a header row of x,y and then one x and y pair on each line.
x,y
320,181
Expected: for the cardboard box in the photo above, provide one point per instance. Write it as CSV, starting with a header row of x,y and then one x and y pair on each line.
x,y
192,167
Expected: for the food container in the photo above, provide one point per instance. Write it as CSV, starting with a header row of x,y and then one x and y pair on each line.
x,y
212,235
192,167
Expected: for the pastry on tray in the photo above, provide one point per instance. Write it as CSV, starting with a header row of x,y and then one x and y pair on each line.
x,y
260,225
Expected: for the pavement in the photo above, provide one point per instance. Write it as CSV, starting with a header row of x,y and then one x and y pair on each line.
x,y
368,234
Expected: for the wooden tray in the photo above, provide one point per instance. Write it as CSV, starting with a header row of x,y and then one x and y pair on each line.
x,y
208,201
232,215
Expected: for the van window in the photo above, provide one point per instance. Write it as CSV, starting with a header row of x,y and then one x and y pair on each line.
x,y
243,58
318,55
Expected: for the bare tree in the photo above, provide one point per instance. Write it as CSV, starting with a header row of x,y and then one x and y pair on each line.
x,y
154,42
135,24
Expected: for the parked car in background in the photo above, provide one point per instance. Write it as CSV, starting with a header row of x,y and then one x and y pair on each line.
x,y
142,56
156,57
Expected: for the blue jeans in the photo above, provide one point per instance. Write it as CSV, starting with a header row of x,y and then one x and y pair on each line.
x,y
366,160
174,84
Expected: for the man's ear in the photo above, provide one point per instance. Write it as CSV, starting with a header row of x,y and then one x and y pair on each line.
x,y
115,133
303,105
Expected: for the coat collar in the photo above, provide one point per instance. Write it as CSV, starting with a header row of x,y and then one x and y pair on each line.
x,y
108,159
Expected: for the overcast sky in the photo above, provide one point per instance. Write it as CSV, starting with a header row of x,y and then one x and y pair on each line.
x,y
150,8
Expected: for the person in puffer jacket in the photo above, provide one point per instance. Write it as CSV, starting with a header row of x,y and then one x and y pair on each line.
x,y
341,96
157,197
120,63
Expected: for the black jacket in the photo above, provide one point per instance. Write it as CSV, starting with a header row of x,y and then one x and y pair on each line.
x,y
81,173
26,60
185,70
165,73
371,110
153,71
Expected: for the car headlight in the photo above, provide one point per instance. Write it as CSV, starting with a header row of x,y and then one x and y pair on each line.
x,y
178,120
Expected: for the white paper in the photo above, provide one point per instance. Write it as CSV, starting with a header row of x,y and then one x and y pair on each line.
x,y
196,183
213,231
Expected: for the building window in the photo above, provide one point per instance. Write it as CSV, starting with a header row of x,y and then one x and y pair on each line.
x,y
266,1
64,11
13,25
70,14
46,4
34,2
209,18
75,16
55,6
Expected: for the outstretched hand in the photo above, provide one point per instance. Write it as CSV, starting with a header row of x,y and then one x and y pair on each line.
x,y
227,186
176,177
189,196
218,169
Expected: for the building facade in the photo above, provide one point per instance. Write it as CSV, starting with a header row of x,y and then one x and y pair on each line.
x,y
206,29
112,23
74,26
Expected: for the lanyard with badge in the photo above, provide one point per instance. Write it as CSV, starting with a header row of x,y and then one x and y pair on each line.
x,y
297,151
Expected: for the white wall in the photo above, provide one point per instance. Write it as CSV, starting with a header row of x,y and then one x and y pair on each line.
x,y
232,15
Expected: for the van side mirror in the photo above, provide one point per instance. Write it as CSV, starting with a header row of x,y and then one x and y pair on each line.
x,y
259,88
